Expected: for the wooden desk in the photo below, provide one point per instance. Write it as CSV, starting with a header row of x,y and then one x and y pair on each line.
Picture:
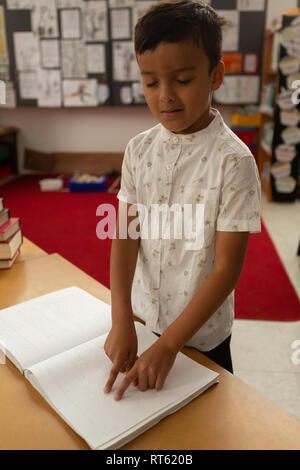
x,y
29,250
230,415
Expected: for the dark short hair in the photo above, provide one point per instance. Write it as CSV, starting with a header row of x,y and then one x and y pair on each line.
x,y
175,21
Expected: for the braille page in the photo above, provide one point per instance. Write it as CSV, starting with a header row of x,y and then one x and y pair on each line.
x,y
42,327
73,382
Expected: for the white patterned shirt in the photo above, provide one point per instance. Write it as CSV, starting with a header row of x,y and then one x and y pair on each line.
x,y
211,167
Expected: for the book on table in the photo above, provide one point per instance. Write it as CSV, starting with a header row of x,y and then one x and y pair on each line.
x,y
4,216
7,263
57,342
9,247
9,228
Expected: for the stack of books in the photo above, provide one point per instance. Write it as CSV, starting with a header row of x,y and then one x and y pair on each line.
x,y
11,237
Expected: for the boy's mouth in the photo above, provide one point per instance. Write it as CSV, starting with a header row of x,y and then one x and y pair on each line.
x,y
170,112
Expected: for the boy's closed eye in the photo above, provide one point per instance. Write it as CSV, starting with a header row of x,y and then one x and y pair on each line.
x,y
182,82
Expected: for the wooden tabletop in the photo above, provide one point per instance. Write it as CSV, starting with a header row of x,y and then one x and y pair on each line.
x,y
29,250
230,415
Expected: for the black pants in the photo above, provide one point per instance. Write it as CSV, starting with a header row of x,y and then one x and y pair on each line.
x,y
221,354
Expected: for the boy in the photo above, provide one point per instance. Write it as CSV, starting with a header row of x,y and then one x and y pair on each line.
x,y
184,291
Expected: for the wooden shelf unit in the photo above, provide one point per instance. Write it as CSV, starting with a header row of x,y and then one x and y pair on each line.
x,y
264,156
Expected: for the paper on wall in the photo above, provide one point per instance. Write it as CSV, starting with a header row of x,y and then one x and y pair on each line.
x,y
73,59
50,53
3,47
284,99
238,89
138,92
69,3
289,65
10,95
121,3
49,88
27,54
285,185
231,30
285,152
291,135
28,85
103,93
293,48
251,5
126,96
290,118
125,67
80,92
70,21
120,24
95,20
4,72
44,19
138,10
95,56
4,57
281,170
19,4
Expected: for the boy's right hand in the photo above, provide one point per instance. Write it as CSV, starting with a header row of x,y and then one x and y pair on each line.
x,y
121,347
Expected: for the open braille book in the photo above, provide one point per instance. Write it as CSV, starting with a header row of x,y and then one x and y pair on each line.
x,y
57,342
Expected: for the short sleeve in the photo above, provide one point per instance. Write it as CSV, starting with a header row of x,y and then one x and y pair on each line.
x,y
127,191
240,198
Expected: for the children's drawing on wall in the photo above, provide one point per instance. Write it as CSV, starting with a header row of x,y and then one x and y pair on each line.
x,y
28,85
103,93
19,4
231,31
251,5
49,88
120,23
50,57
238,89
73,59
125,66
80,92
138,92
70,23
4,57
68,3
44,18
27,53
121,3
95,21
138,10
95,58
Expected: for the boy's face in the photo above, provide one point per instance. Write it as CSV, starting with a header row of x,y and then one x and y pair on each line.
x,y
178,86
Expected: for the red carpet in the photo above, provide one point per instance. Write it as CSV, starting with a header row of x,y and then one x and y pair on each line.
x,y
65,223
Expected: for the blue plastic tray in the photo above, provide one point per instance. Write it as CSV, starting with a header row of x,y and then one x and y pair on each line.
x,y
87,187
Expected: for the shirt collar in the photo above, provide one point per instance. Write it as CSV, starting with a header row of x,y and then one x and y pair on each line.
x,y
213,128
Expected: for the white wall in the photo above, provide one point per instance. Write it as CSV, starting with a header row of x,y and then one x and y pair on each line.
x,y
94,129
77,130
276,8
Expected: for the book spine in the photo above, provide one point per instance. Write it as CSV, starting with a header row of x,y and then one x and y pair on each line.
x,y
4,211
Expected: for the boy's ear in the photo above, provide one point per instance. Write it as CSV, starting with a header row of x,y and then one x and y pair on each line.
x,y
218,76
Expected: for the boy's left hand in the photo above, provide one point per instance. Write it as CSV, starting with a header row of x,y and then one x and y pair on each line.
x,y
150,370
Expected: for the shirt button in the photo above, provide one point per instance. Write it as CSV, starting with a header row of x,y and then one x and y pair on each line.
x,y
169,167
175,140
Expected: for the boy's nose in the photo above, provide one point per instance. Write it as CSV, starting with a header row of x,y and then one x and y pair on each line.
x,y
166,95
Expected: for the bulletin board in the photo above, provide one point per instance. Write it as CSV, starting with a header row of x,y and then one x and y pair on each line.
x,y
80,53
286,139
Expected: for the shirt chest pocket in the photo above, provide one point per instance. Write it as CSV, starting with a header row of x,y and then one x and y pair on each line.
x,y
199,221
